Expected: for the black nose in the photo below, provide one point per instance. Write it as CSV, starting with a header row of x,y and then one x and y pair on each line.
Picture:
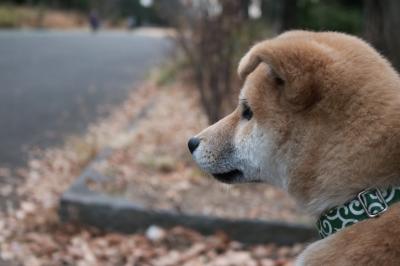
x,y
193,144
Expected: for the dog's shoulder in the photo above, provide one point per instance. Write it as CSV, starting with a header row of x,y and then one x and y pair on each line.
x,y
375,241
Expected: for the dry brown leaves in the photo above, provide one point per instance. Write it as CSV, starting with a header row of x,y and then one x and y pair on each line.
x,y
154,168
32,234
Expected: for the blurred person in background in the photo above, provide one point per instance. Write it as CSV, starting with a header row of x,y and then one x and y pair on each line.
x,y
94,20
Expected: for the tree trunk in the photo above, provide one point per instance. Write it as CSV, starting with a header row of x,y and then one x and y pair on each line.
x,y
381,27
289,15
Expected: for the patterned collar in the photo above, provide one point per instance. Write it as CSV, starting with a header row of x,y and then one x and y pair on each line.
x,y
368,203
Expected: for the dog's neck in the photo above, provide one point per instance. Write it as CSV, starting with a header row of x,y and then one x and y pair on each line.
x,y
327,196
327,185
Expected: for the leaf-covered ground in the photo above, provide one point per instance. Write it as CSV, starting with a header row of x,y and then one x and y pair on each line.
x,y
154,168
31,233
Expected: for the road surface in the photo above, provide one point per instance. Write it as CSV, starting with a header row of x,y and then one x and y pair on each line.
x,y
52,84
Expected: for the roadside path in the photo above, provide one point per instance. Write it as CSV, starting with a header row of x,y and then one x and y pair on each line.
x,y
52,84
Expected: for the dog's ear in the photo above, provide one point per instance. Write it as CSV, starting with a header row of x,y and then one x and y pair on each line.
x,y
295,64
254,57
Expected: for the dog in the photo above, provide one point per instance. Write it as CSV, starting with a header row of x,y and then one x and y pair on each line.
x,y
318,116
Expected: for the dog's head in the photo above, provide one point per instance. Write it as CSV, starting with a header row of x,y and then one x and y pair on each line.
x,y
303,95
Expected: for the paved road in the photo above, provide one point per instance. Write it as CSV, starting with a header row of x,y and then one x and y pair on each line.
x,y
53,84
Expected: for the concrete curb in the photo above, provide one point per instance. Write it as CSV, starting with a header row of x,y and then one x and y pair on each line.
x,y
81,204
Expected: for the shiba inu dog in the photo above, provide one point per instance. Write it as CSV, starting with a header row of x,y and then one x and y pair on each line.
x,y
319,116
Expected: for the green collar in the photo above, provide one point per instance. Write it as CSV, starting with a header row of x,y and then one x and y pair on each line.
x,y
368,203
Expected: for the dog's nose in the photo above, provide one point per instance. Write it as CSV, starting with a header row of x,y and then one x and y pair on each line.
x,y
193,144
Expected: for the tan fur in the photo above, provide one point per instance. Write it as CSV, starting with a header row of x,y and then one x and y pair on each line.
x,y
330,130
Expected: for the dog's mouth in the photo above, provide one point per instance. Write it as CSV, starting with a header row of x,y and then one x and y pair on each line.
x,y
229,177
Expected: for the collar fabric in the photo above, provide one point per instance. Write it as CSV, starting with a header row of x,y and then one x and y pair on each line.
x,y
367,204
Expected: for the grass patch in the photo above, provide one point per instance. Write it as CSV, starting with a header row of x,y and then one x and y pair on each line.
x,y
167,73
34,17
9,17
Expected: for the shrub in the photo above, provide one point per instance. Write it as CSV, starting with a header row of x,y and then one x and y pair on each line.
x,y
9,17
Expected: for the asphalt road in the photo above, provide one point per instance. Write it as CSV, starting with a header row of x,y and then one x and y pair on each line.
x,y
52,84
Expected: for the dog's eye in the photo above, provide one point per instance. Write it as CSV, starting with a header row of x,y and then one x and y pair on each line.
x,y
279,81
247,113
